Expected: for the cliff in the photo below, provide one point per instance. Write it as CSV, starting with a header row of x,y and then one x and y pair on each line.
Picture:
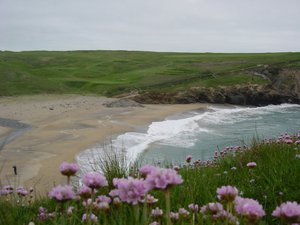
x,y
283,86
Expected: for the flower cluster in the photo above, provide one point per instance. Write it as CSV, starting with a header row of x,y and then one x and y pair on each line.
x,y
289,211
130,190
94,180
62,193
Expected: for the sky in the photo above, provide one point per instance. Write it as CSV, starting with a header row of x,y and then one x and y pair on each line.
x,y
151,25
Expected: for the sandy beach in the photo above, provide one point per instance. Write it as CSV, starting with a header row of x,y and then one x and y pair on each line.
x,y
61,127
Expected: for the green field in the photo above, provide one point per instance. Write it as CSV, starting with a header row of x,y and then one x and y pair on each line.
x,y
111,73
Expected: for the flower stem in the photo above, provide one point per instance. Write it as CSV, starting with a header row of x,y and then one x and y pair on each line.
x,y
136,214
168,206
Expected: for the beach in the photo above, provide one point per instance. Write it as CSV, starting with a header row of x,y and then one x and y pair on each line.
x,y
60,127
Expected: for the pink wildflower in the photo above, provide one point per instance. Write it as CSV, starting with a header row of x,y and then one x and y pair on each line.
x,y
89,217
147,169
211,208
290,211
62,193
70,210
157,212
21,191
154,223
193,207
131,190
85,192
94,180
150,199
251,165
174,216
227,193
103,198
188,158
68,169
183,213
163,178
249,208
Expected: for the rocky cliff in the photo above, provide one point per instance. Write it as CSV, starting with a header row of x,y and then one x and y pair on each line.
x,y
283,86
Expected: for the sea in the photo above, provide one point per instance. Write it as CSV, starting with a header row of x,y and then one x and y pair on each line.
x,y
198,133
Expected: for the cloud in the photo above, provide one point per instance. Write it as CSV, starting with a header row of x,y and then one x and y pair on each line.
x,y
160,25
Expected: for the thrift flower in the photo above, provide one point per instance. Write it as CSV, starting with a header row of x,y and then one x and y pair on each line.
x,y
68,169
251,165
290,211
21,191
62,193
94,180
183,213
131,190
227,193
147,169
150,199
103,198
157,212
193,207
70,210
163,178
174,216
154,223
188,158
249,208
85,192
211,208
89,217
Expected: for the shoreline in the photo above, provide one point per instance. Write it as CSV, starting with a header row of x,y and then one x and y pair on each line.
x,y
62,126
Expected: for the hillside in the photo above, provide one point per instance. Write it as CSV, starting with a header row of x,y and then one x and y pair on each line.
x,y
152,77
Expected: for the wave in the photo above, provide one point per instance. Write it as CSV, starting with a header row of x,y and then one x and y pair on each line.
x,y
184,132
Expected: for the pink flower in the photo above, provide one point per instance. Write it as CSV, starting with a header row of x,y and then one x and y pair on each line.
x,y
183,212
227,193
131,190
68,169
174,216
94,180
147,169
154,223
85,192
193,207
163,178
188,158
211,208
103,198
157,212
21,191
251,165
70,210
150,199
249,208
89,217
62,193
290,211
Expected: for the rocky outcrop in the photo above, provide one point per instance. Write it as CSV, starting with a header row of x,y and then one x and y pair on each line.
x,y
284,87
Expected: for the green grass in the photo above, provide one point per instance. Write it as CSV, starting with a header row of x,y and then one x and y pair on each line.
x,y
114,72
276,180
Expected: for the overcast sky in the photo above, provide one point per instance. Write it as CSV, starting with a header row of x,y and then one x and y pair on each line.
x,y
154,25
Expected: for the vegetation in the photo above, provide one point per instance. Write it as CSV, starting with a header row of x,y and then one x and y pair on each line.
x,y
115,72
267,171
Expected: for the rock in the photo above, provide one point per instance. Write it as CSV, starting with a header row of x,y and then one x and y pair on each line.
x,y
123,102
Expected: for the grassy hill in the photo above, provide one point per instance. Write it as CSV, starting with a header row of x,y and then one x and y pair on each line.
x,y
115,72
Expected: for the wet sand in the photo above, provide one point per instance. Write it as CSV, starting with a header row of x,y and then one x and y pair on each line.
x,y
61,127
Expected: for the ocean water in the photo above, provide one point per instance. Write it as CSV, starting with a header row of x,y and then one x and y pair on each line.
x,y
200,132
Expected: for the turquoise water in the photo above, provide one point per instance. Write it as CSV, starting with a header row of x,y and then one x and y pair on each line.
x,y
199,133
203,132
